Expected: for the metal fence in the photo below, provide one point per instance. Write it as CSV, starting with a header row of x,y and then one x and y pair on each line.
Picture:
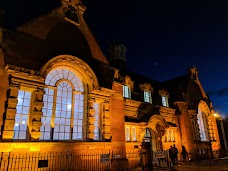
x,y
69,161
96,161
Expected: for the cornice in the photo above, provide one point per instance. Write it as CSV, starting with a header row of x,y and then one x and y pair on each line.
x,y
24,73
167,110
130,102
102,94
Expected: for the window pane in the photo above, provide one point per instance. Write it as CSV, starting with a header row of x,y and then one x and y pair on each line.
x,y
96,106
47,114
134,134
127,131
21,117
63,112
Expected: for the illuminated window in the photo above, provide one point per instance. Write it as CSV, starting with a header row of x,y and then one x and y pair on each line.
x,y
22,114
96,122
195,130
133,131
126,92
127,133
165,102
202,125
147,97
63,106
170,136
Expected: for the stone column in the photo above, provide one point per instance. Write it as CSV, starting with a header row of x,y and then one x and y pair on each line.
x,y
3,82
106,121
8,131
37,114
91,119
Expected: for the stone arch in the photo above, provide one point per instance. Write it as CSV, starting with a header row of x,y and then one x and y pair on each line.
x,y
204,107
76,65
154,121
157,119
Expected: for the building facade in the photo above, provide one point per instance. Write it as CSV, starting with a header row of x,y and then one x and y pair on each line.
x,y
59,91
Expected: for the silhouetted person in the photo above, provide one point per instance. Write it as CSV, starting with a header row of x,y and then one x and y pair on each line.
x,y
171,156
175,151
142,155
184,154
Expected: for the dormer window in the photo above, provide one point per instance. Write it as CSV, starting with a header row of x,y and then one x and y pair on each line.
x,y
147,97
126,92
164,97
165,102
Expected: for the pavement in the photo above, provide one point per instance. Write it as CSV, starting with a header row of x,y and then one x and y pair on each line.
x,y
191,167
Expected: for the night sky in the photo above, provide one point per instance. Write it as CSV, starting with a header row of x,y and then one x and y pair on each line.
x,y
163,38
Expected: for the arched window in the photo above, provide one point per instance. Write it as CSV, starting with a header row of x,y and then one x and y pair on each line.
x,y
63,109
202,121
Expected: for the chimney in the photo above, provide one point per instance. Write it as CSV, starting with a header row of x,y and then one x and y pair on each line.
x,y
117,56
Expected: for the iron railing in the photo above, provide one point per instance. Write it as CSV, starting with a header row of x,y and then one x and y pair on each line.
x,y
69,161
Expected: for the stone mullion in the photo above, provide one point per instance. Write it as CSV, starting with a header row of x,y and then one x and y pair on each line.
x,y
193,127
106,121
37,114
8,130
197,128
207,128
91,119
211,129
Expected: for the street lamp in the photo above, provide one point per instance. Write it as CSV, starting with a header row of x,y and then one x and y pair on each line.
x,y
216,115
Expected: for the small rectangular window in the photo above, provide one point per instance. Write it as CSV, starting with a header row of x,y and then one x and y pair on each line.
x,y
133,130
147,97
165,101
126,92
127,133
96,106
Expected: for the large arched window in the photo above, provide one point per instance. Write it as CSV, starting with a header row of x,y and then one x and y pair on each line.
x,y
202,121
63,106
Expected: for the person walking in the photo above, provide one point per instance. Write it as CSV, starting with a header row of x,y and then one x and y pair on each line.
x,y
142,155
175,152
184,154
171,156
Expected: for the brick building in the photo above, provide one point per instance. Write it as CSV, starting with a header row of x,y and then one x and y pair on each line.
x,y
58,91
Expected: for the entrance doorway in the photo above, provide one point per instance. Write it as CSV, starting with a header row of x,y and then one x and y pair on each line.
x,y
147,136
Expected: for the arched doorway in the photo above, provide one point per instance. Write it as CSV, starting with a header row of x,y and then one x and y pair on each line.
x,y
147,136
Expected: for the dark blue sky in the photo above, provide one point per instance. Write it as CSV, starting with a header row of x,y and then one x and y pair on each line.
x,y
164,38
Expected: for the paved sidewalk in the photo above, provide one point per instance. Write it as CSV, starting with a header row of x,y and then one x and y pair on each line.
x,y
191,167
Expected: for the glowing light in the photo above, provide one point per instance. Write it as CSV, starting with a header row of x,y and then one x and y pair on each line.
x,y
16,124
23,122
19,100
216,115
69,106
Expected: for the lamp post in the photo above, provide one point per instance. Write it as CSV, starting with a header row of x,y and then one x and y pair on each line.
x,y
216,115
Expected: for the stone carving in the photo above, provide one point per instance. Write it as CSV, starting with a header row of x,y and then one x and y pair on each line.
x,y
106,121
76,4
146,87
194,73
163,93
8,131
37,113
14,90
